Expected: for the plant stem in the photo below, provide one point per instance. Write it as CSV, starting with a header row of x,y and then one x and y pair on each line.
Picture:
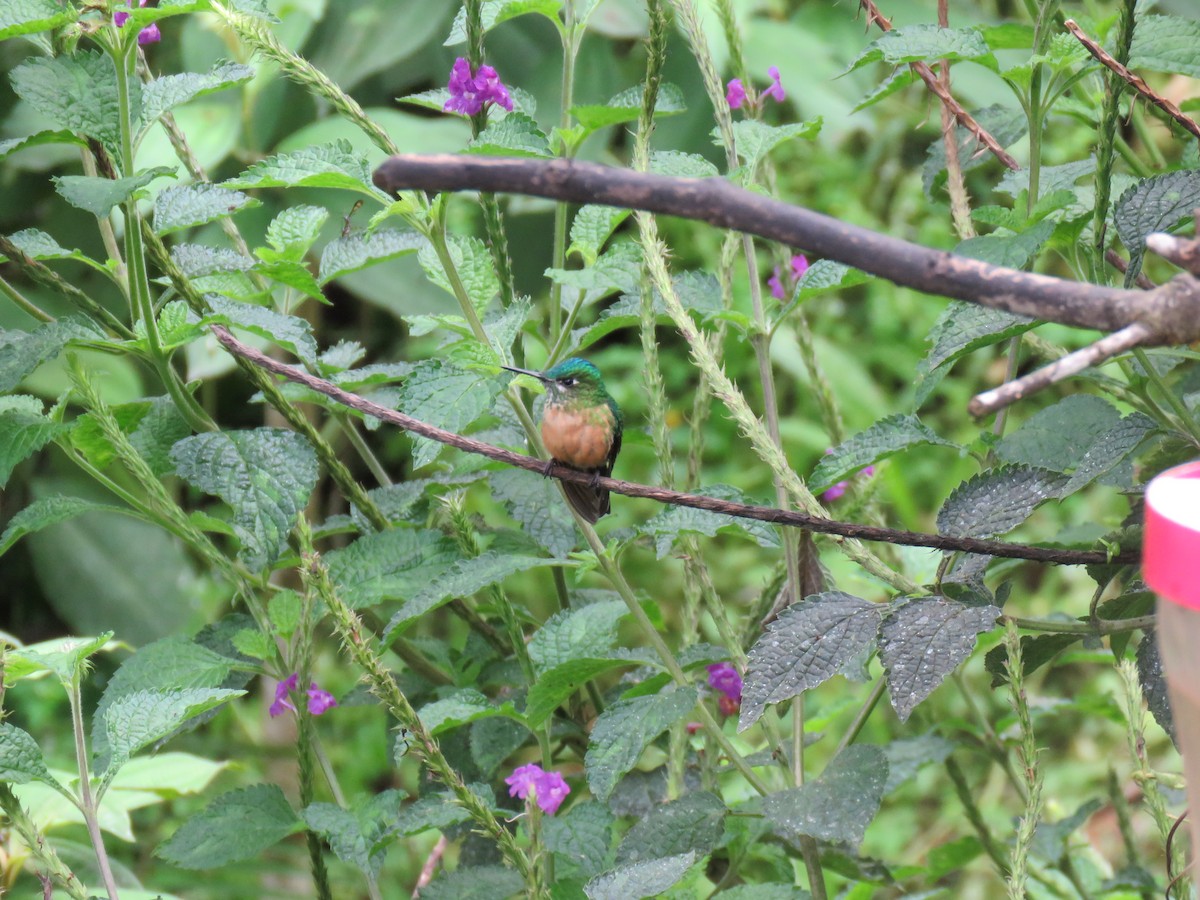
x,y
87,802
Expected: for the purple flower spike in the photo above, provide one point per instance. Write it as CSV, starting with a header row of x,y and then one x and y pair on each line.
x,y
282,690
469,93
547,789
724,677
735,94
776,89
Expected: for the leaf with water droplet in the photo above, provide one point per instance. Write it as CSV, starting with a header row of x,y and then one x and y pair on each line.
x,y
839,804
997,501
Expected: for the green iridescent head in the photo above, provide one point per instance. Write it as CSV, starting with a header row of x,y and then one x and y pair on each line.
x,y
572,380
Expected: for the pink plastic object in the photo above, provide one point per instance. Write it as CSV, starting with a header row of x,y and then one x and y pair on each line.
x,y
1171,567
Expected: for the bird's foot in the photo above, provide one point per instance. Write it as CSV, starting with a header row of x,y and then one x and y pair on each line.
x,y
594,484
550,464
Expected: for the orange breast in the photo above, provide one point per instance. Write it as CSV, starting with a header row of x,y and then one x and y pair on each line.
x,y
579,438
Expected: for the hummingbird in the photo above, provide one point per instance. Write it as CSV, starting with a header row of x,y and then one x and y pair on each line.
x,y
581,429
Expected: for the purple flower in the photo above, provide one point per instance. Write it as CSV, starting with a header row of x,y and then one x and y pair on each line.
x,y
319,701
148,35
839,489
547,789
724,677
469,93
776,88
735,94
775,282
799,266
776,285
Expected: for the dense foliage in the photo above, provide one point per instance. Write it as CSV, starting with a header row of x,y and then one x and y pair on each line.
x,y
260,643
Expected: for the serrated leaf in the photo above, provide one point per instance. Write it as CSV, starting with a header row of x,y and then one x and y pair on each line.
x,y
907,755
897,80
190,205
756,139
514,135
475,883
997,501
923,641
535,503
640,879
627,105
265,475
591,228
493,12
495,739
692,824
472,261
292,232
21,759
31,16
460,708
1050,839
625,729
1109,449
1154,683
1006,124
290,332
836,806
822,277
1056,437
235,826
1036,651
885,438
77,93
356,835
447,397
332,165
39,245
389,564
49,136
294,275
580,840
169,91
24,430
198,260
462,579
45,512
352,252
574,633
23,351
158,431
809,642
675,521
138,719
438,810
1158,203
925,43
681,165
558,683
616,270
65,658
965,327
1013,251
1166,44
99,195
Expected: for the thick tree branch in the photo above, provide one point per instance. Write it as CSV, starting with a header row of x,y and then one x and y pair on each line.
x,y
661,495
1171,312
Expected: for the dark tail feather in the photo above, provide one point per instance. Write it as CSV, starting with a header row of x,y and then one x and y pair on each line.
x,y
590,502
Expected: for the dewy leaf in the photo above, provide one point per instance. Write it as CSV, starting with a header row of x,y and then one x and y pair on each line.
x,y
514,135
99,195
77,93
24,430
964,327
448,397
31,16
640,879
1057,437
907,755
189,205
1158,203
625,729
573,633
839,804
580,840
333,165
352,252
924,640
883,439
391,564
140,718
1154,683
265,475
44,512
235,826
1166,44
1109,449
536,504
675,521
168,91
21,759
997,501
23,351
290,332
692,824
810,642
925,43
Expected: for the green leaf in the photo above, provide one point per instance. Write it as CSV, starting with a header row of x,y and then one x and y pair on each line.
x,y
438,810
765,891
459,708
1057,437
65,658
1005,123
190,205
1153,681
897,80
641,879
627,106
293,232
24,430
39,245
514,135
625,729
475,883
493,740
169,91
31,16
535,503
617,270
291,332
591,228
447,397
580,840
45,512
61,136
839,804
197,260
885,438
1013,250
77,93
810,642
1109,449
965,327
21,759
924,640
675,521
237,825
158,431
1158,203
353,252
265,475
823,277
472,261
99,195
925,43
332,165
694,823
140,718
493,12
908,755
997,501
681,165
462,579
389,564
556,684
573,633
22,351
356,835
1050,839
1166,44
294,275
756,139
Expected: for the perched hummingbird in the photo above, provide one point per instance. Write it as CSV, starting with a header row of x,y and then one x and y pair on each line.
x,y
581,428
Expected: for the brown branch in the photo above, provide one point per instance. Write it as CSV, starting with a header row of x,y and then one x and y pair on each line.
x,y
1171,311
662,495
965,119
1133,80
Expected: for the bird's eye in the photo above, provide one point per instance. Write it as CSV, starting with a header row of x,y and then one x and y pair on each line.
x,y
568,382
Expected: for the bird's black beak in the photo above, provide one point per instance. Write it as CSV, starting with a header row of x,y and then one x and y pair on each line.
x,y
532,374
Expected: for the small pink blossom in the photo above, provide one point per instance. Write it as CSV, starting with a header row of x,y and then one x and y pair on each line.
x,y
547,789
735,94
838,490
724,678
469,93
148,35
319,701
776,88
775,282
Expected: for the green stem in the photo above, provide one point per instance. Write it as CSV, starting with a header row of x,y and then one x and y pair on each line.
x,y
570,45
1103,626
1186,420
23,303
87,802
